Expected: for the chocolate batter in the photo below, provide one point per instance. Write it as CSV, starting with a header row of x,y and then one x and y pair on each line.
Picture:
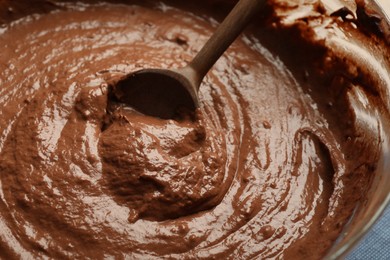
x,y
272,165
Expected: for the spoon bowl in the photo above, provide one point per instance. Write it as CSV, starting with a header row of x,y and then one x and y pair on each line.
x,y
158,92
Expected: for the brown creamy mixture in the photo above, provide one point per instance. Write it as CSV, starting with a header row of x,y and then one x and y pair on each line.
x,y
272,165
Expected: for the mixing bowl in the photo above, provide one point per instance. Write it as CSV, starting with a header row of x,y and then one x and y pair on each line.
x,y
94,195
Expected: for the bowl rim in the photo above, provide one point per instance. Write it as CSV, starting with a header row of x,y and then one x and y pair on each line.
x,y
382,9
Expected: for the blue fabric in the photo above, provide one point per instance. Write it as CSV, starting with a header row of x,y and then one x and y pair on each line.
x,y
376,244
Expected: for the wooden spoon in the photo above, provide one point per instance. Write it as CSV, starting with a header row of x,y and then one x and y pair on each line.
x,y
163,92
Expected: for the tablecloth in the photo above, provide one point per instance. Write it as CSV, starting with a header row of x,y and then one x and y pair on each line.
x,y
376,244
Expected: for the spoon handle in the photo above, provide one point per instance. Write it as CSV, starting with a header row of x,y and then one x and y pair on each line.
x,y
224,36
